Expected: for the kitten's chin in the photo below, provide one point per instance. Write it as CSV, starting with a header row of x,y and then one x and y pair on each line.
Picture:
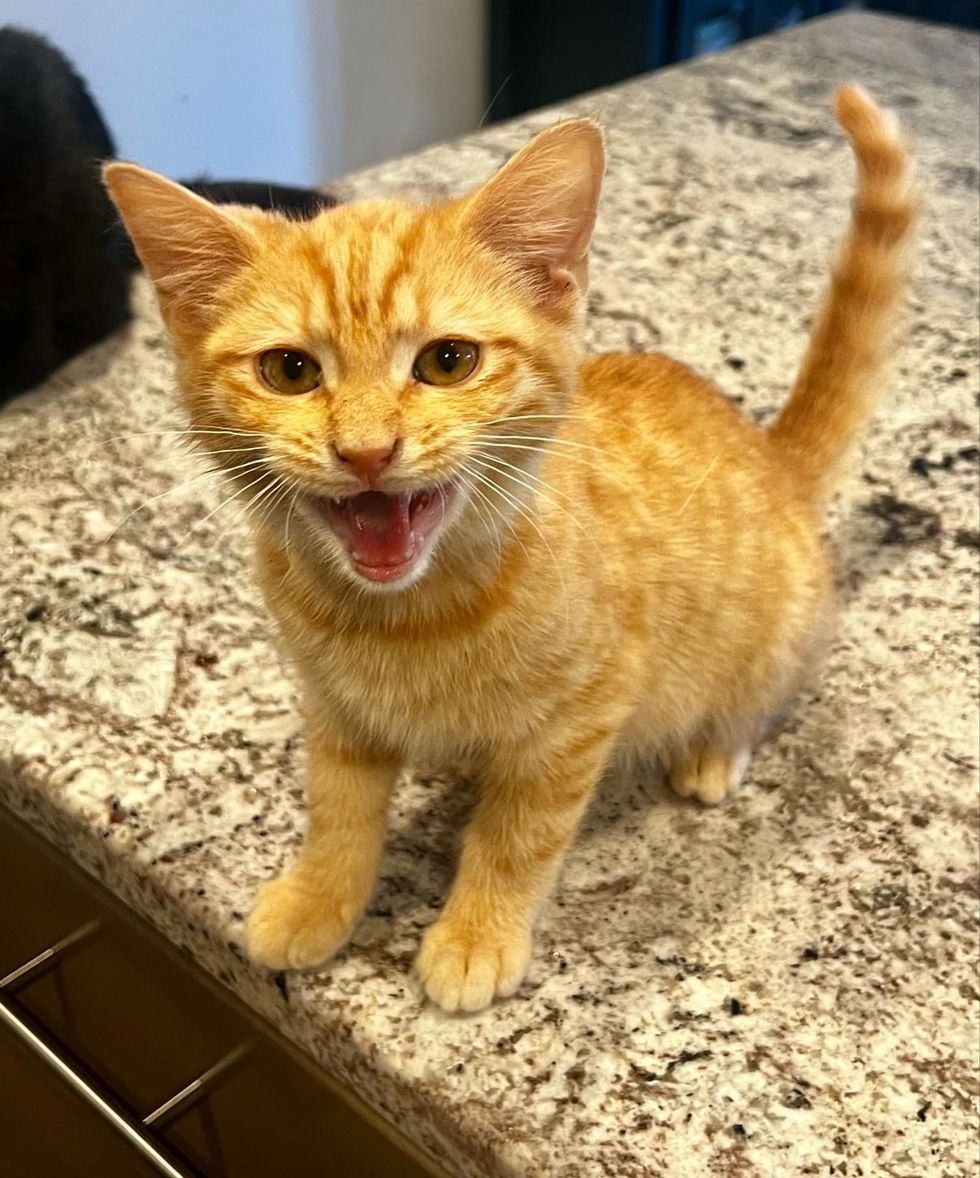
x,y
387,538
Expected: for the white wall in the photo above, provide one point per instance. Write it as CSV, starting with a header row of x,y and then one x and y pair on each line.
x,y
409,72
290,90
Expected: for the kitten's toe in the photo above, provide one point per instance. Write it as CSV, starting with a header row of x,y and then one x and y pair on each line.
x,y
707,775
464,971
294,925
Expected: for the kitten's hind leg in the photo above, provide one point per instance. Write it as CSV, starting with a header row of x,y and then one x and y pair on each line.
x,y
707,771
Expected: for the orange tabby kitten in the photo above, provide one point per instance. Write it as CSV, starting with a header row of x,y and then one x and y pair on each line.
x,y
477,543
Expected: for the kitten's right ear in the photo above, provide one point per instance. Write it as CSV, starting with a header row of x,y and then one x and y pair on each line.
x,y
539,210
188,246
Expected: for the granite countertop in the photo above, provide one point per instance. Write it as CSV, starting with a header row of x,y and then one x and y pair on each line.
x,y
783,985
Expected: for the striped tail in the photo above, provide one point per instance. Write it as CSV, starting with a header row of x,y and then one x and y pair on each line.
x,y
841,378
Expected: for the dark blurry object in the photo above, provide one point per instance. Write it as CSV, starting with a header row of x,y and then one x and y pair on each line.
x,y
950,12
282,198
279,198
63,281
544,51
65,259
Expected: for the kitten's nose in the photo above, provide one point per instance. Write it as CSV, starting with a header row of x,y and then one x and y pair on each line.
x,y
369,462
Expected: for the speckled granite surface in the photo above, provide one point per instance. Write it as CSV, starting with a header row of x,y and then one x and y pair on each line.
x,y
785,985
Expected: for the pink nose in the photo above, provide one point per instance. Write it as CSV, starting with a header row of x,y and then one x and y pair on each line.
x,y
368,464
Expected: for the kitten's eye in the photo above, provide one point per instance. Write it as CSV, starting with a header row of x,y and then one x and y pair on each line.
x,y
446,362
287,370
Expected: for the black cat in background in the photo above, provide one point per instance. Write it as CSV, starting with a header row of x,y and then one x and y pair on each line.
x,y
65,260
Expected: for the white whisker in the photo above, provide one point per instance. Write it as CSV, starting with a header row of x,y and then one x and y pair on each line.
x,y
537,417
523,511
181,486
250,504
158,433
576,522
498,463
697,486
583,460
289,516
269,496
214,511
487,521
494,510
502,439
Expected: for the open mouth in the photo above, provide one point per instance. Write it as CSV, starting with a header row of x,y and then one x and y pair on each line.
x,y
385,535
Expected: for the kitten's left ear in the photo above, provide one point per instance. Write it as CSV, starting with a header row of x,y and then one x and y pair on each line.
x,y
188,246
540,208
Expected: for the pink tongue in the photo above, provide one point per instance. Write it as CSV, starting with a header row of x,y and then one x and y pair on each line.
x,y
380,527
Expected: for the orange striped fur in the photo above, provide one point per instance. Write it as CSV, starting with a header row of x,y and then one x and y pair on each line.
x,y
628,565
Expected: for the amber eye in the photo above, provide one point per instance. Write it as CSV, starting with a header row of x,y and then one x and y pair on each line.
x,y
288,370
446,362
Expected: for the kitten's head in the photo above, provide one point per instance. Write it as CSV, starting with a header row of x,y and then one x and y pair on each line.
x,y
382,378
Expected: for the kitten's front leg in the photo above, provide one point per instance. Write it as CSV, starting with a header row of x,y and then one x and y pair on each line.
x,y
304,916
531,801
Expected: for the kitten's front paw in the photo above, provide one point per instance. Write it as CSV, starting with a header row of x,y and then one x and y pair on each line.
x,y
295,923
463,969
707,775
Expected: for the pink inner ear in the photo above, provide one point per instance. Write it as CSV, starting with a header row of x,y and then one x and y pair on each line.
x,y
539,210
187,245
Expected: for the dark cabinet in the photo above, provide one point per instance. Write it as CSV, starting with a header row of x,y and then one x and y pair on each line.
x,y
115,1030
544,51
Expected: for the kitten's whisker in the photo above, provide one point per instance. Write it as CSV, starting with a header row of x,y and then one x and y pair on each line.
x,y
221,536
218,452
576,522
500,90
158,433
537,417
543,450
288,496
697,486
246,508
289,516
535,492
493,536
571,516
268,497
495,511
214,511
532,420
522,510
180,487
498,463
236,450
266,501
501,439
272,501
507,495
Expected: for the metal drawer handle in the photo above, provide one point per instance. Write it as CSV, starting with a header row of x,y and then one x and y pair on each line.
x,y
119,1120
196,1090
47,959
135,1132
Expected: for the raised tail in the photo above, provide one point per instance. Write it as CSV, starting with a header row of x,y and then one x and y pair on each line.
x,y
846,360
